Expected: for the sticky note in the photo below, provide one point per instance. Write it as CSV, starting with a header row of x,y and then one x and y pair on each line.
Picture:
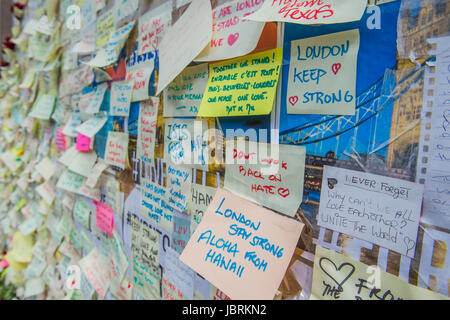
x,y
81,212
200,198
243,86
97,98
233,34
322,74
60,140
184,41
268,174
179,148
43,108
145,146
183,96
179,179
242,248
152,28
310,12
83,143
91,126
154,205
121,98
378,209
104,217
116,152
337,277
97,272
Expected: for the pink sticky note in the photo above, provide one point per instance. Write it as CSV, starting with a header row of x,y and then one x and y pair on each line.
x,y
104,217
83,143
60,140
4,263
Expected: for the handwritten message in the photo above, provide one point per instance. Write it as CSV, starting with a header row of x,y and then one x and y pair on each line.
x,y
96,172
83,162
120,98
311,11
184,144
436,202
243,86
148,112
105,26
104,218
183,96
43,108
139,71
97,99
47,191
82,212
233,35
271,175
337,277
381,210
151,30
242,248
154,205
178,274
90,127
179,181
83,143
322,74
184,41
201,197
110,53
96,271
181,231
116,152
145,258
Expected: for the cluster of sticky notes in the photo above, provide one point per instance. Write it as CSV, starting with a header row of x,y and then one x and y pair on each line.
x,y
134,162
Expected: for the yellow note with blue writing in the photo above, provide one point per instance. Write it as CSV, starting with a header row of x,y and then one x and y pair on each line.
x,y
243,86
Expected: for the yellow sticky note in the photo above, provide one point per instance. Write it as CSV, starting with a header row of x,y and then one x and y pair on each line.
x,y
15,265
337,277
105,26
322,74
22,246
243,86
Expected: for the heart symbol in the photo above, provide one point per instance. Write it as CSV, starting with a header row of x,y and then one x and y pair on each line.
x,y
332,182
410,243
232,38
283,192
336,67
293,100
154,43
327,265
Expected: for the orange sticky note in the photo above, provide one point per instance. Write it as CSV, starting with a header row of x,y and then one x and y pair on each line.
x,y
241,248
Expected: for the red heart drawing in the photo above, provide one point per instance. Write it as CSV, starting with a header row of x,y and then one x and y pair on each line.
x,y
293,100
336,67
283,192
155,43
232,38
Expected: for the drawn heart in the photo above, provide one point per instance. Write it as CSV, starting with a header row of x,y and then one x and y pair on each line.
x,y
332,182
283,192
336,67
328,267
293,100
232,38
155,43
410,243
